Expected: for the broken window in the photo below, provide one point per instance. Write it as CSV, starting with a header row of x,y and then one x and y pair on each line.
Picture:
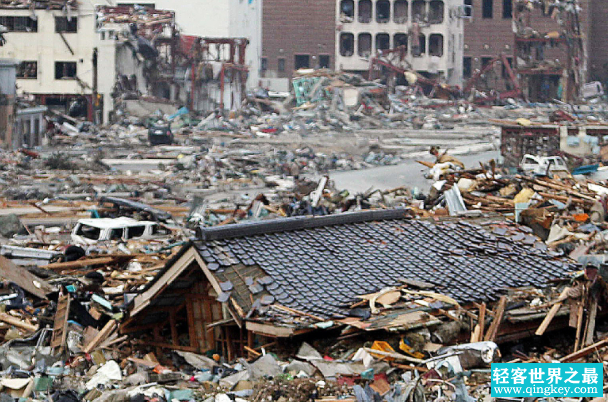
x,y
365,11
418,45
65,70
467,67
19,24
383,41
281,65
347,10
88,232
507,9
468,8
365,45
383,11
436,45
135,231
302,61
485,61
400,13
27,69
347,44
487,9
116,234
324,61
400,40
65,25
436,12
418,10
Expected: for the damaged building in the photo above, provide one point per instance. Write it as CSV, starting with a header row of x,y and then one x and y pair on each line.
x,y
157,67
428,33
282,278
86,62
54,45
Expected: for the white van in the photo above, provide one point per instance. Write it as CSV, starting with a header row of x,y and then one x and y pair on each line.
x,y
91,231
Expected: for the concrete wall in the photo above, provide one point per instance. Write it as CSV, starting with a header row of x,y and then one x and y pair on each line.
x,y
7,100
246,22
46,47
29,127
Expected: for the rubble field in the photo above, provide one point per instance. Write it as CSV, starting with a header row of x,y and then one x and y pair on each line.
x,y
225,265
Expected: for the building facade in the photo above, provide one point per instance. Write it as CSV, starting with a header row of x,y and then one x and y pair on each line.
x,y
296,35
490,30
430,32
55,50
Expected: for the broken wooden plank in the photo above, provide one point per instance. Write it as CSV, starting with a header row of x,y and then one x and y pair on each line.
x,y
24,278
101,336
88,262
590,330
552,312
584,352
579,321
14,321
482,320
500,310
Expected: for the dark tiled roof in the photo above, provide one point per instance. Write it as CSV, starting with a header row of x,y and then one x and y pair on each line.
x,y
318,267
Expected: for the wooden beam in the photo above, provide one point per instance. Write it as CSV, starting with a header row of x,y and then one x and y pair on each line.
x,y
174,336
554,309
164,345
88,262
591,325
584,352
482,320
579,319
500,310
101,336
270,330
252,351
9,319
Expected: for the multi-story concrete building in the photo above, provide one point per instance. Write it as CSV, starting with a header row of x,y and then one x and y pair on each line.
x,y
55,49
431,32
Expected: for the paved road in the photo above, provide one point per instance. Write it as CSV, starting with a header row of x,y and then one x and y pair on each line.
x,y
409,174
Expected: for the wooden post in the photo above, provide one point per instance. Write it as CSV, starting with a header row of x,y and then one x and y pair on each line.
x,y
482,320
191,329
579,321
174,336
493,329
591,325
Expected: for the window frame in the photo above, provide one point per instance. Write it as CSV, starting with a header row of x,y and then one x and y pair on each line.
x,y
487,9
70,26
65,77
21,66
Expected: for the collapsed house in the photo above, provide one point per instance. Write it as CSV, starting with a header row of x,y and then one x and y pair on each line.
x,y
577,141
282,278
